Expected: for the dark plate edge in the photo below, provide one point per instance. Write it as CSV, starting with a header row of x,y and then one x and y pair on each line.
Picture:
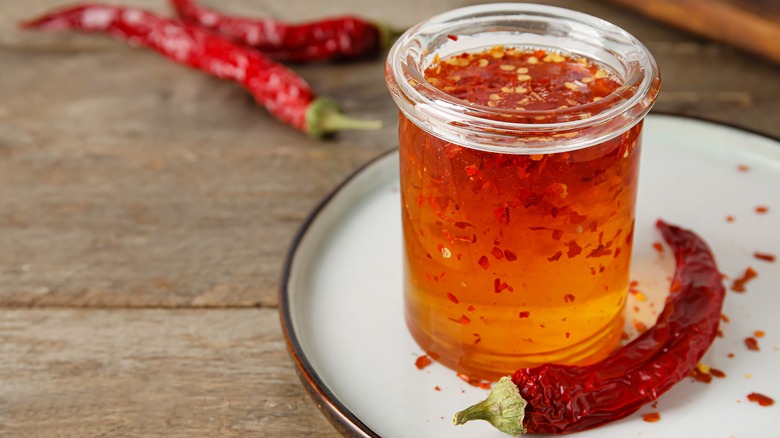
x,y
339,415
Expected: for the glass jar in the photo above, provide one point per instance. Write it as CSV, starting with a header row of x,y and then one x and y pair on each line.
x,y
518,219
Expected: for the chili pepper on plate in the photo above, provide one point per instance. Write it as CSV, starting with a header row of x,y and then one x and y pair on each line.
x,y
281,91
558,399
332,38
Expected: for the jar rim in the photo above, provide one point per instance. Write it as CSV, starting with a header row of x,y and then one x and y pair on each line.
x,y
470,124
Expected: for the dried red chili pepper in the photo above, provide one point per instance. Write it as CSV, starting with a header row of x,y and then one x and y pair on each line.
x,y
282,92
332,38
557,399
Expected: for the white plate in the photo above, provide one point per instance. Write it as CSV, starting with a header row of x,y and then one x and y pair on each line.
x,y
341,299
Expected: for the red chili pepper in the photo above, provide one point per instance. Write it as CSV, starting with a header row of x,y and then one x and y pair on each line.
x,y
281,91
558,399
332,38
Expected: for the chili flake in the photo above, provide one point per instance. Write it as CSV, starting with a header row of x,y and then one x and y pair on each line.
x,y
739,284
568,298
743,167
651,417
752,344
658,246
484,262
700,376
423,361
453,298
524,314
761,209
555,257
764,256
717,373
759,333
761,399
574,249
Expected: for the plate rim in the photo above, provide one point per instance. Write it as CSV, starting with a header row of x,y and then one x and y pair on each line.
x,y
339,415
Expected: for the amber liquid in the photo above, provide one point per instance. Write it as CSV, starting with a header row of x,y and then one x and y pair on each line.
x,y
516,260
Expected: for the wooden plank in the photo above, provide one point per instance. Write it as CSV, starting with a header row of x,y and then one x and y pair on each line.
x,y
173,373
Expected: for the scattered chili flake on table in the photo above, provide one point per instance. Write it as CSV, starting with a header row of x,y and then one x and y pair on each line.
x,y
761,209
282,92
729,218
651,417
761,399
759,333
752,344
559,399
658,246
323,40
743,168
739,283
764,256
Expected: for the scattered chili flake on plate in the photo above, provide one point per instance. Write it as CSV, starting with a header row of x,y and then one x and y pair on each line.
x,y
743,167
729,218
658,246
752,344
717,373
761,209
423,361
759,333
739,283
764,256
651,417
761,399
700,376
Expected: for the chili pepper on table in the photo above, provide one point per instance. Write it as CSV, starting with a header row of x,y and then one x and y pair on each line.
x,y
558,399
332,38
282,92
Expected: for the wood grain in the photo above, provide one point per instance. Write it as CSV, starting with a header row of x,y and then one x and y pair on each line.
x,y
172,373
145,210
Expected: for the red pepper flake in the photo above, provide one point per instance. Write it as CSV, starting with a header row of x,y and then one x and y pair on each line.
x,y
759,333
729,218
500,286
423,361
463,225
471,170
717,373
555,257
567,335
497,253
764,256
592,226
453,298
484,262
502,215
524,314
761,399
761,209
743,167
436,388
568,298
471,308
599,252
574,249
658,246
651,417
724,318
453,37
739,284
510,256
640,326
730,355
576,218
752,344
557,234
701,376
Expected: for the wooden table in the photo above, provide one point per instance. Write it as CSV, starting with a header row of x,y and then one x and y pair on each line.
x,y
145,210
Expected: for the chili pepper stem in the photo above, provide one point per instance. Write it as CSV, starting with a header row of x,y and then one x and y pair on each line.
x,y
504,409
324,117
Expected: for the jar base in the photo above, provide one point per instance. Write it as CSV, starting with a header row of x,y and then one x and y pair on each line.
x,y
491,367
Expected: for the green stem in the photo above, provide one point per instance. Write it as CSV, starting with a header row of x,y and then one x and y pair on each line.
x,y
323,117
504,409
